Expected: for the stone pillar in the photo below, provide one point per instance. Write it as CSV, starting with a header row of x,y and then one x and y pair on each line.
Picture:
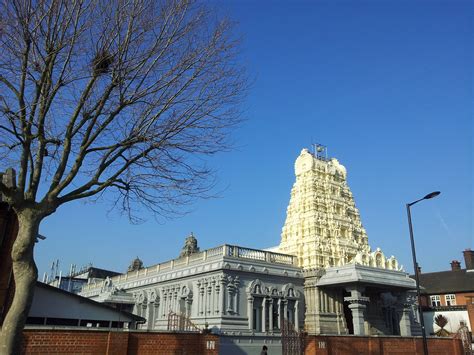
x,y
209,299
217,299
236,301
236,295
201,299
357,305
405,326
150,316
204,299
280,319
250,311
213,298
163,306
264,306
157,312
297,321
320,300
221,296
285,309
230,295
270,315
144,314
189,301
357,308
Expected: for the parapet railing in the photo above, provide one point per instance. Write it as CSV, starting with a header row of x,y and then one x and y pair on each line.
x,y
226,251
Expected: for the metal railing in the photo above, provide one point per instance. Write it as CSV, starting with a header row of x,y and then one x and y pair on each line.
x,y
292,340
181,323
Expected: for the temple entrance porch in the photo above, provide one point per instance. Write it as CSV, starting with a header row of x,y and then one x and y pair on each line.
x,y
359,300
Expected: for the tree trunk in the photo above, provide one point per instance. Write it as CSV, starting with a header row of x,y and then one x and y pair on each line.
x,y
25,275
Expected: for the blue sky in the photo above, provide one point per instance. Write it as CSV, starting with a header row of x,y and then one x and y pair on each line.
x,y
386,85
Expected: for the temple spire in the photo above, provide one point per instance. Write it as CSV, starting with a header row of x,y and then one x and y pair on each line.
x,y
323,226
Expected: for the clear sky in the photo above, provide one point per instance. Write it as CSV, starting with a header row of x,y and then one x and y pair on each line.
x,y
387,86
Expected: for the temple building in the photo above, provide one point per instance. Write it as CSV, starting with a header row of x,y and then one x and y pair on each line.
x,y
349,289
323,277
246,295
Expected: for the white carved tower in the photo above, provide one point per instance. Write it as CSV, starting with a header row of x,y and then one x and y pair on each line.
x,y
323,226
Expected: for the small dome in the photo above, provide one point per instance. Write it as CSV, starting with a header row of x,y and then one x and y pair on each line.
x,y
190,246
136,264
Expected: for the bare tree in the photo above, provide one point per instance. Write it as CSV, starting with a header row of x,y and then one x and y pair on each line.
x,y
122,97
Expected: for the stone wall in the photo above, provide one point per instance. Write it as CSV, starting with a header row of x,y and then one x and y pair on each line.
x,y
347,345
96,342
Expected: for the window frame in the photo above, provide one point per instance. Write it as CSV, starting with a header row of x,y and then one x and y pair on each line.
x,y
435,300
451,298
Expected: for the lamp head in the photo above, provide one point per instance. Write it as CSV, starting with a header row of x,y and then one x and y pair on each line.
x,y
431,195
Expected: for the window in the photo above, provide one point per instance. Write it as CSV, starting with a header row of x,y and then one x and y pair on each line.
x,y
450,300
435,300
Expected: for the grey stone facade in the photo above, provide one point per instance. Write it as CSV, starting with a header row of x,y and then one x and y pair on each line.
x,y
243,292
230,289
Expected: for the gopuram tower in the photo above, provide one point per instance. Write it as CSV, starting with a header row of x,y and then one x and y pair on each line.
x,y
323,226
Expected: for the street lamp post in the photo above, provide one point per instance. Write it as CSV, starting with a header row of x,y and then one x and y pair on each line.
x,y
415,265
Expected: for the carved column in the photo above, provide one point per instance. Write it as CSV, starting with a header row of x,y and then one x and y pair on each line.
x,y
163,305
212,286
150,315
263,314
236,295
200,298
297,316
405,326
157,312
204,298
250,311
188,304
218,298
280,319
144,314
209,297
230,296
358,304
221,296
270,315
320,299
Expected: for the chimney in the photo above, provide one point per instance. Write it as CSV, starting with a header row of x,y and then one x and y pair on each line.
x,y
469,259
455,265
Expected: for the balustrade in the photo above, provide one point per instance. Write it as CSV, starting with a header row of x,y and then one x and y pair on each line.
x,y
232,251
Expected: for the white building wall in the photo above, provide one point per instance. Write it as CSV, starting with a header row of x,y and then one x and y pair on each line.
x,y
454,320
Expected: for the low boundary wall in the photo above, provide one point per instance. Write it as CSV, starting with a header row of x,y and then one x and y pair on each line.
x,y
342,345
105,342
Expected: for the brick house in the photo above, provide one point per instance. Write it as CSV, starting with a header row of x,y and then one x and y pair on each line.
x,y
454,287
